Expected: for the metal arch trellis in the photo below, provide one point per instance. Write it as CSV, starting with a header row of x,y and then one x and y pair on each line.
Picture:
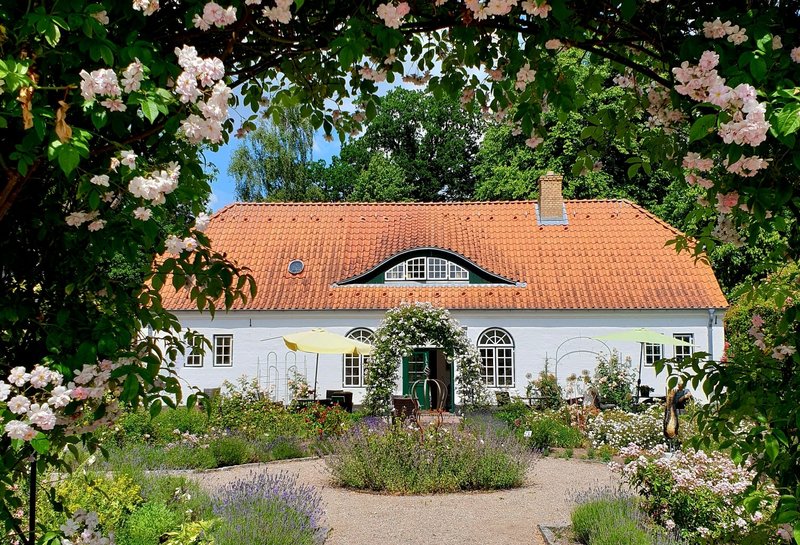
x,y
577,351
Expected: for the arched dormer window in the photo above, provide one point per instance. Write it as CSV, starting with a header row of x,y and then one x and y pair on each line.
x,y
427,266
433,269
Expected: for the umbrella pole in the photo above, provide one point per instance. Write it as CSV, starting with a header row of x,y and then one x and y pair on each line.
x,y
316,372
639,379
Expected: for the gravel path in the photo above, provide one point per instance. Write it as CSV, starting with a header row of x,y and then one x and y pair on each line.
x,y
507,517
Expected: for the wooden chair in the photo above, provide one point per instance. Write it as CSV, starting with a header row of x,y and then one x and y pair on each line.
x,y
502,397
342,398
404,407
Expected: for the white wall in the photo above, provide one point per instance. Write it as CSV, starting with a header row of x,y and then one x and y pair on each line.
x,y
537,335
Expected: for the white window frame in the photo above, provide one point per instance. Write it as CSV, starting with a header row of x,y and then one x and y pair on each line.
x,y
416,268
422,269
398,272
437,268
652,353
457,272
194,357
498,354
682,352
223,350
363,334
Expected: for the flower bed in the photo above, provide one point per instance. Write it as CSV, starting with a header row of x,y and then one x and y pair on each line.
x,y
619,429
699,495
400,460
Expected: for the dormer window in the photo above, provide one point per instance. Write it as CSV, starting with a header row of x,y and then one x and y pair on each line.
x,y
422,269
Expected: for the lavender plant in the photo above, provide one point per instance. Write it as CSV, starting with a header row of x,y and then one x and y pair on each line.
x,y
269,509
403,460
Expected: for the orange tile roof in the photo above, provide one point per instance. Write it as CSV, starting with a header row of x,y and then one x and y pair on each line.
x,y
611,255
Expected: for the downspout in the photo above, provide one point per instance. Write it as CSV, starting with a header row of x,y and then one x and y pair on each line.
x,y
711,319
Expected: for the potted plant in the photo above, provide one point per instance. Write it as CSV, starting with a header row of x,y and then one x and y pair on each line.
x,y
644,390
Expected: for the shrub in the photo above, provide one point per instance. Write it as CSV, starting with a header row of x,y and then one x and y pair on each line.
x,y
113,498
618,429
192,421
178,493
230,450
244,408
284,449
399,460
614,380
512,412
147,524
545,429
269,509
326,421
701,495
609,519
547,388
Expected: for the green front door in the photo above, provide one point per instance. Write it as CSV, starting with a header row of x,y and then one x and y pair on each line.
x,y
414,368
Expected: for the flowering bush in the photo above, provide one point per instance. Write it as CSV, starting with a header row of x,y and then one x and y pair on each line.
x,y
546,388
702,496
402,460
618,429
421,324
614,380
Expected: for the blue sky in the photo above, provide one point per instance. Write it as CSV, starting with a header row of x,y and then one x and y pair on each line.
x,y
222,189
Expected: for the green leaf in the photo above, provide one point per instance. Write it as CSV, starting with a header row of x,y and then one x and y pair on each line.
x,y
702,126
150,110
771,446
758,67
40,443
130,388
67,157
628,9
155,408
787,120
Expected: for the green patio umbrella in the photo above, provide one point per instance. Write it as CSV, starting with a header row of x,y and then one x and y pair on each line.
x,y
642,336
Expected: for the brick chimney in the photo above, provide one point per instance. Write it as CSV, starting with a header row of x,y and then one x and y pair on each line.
x,y
551,201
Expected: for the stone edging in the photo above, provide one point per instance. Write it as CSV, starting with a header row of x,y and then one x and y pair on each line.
x,y
548,535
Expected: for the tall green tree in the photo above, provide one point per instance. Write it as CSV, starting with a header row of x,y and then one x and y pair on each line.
x,y
433,140
273,161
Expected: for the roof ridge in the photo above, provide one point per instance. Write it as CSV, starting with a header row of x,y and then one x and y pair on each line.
x,y
406,203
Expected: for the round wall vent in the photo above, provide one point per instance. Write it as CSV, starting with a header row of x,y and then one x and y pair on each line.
x,y
296,266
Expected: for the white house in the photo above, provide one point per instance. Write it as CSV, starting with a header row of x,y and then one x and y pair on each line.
x,y
532,283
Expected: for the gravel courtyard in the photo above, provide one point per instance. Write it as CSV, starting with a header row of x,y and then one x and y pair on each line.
x,y
507,517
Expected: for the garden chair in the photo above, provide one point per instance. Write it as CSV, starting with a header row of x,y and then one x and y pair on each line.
x,y
502,398
404,407
597,403
342,398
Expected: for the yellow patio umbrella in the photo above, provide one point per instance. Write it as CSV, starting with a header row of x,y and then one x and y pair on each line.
x,y
320,341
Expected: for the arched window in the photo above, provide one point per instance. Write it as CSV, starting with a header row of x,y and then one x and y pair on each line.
x,y
496,348
354,365
427,269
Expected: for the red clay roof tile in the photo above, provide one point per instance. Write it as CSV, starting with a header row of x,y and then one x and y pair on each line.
x,y
611,255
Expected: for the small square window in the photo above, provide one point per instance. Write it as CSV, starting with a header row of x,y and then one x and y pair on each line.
x,y
437,268
415,268
683,352
195,356
223,350
653,353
